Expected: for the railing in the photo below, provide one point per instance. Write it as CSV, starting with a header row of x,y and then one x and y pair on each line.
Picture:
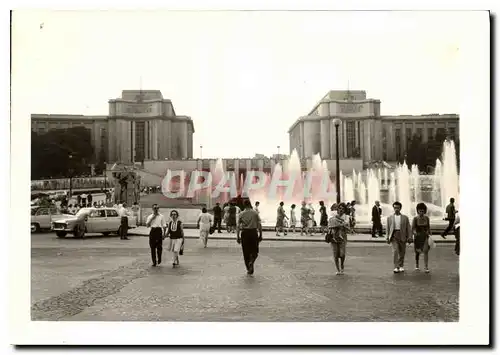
x,y
63,184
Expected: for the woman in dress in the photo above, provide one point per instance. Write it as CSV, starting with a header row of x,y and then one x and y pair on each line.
x,y
225,211
338,227
280,219
421,229
323,222
175,234
293,218
312,221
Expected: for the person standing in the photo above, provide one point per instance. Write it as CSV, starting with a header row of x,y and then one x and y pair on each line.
x,y
156,221
450,217
124,214
83,199
250,227
338,226
377,220
353,216
257,206
398,234
312,220
304,218
89,198
421,229
225,210
323,220
280,219
457,234
293,218
204,223
135,213
217,217
175,234
231,219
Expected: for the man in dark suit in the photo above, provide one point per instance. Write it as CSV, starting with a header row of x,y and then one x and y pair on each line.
x,y
377,220
217,217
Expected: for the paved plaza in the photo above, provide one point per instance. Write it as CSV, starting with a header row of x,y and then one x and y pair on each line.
x,y
106,279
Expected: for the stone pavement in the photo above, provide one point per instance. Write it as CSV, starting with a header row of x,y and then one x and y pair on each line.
x,y
355,238
106,279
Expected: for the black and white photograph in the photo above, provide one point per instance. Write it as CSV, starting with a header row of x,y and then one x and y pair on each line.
x,y
259,169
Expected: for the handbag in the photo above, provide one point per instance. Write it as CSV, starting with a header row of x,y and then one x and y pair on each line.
x,y
432,243
329,236
212,230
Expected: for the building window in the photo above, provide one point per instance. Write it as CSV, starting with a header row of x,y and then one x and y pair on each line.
x,y
430,134
139,141
398,144
420,133
352,149
452,133
408,138
384,143
440,134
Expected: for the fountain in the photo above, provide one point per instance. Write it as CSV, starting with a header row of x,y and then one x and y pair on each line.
x,y
402,183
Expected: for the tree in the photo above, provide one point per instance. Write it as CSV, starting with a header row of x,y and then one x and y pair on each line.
x,y
101,163
58,151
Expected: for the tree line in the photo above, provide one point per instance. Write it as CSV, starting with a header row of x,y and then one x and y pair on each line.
x,y
424,154
61,153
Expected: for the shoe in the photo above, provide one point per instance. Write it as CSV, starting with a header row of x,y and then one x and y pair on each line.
x,y
342,272
159,261
396,270
401,269
337,273
250,268
154,264
126,238
427,270
417,269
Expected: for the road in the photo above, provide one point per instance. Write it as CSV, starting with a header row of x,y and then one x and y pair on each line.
x,y
106,279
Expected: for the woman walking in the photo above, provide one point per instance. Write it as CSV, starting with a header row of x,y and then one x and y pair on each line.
x,y
280,219
312,220
421,230
323,222
337,233
175,235
205,221
304,218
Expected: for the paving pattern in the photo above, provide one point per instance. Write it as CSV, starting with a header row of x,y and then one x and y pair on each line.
x,y
113,281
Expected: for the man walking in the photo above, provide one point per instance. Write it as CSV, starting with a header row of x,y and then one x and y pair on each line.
x,y
251,235
450,217
124,214
377,220
398,234
217,217
158,225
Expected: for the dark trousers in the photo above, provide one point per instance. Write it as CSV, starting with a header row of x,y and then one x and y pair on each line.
x,y
451,224
123,227
377,227
457,241
217,223
156,244
249,245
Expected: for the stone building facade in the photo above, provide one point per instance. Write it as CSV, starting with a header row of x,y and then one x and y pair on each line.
x,y
141,125
363,133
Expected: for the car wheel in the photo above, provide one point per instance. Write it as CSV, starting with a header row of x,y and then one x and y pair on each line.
x,y
61,234
105,234
35,228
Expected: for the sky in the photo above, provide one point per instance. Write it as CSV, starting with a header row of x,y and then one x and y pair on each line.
x,y
243,77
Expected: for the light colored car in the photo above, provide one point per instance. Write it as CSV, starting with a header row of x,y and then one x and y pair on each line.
x,y
103,220
42,217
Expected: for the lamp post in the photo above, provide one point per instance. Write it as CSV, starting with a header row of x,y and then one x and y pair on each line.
x,y
278,152
201,152
105,175
336,122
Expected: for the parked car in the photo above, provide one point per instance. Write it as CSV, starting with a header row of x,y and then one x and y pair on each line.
x,y
42,217
103,220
